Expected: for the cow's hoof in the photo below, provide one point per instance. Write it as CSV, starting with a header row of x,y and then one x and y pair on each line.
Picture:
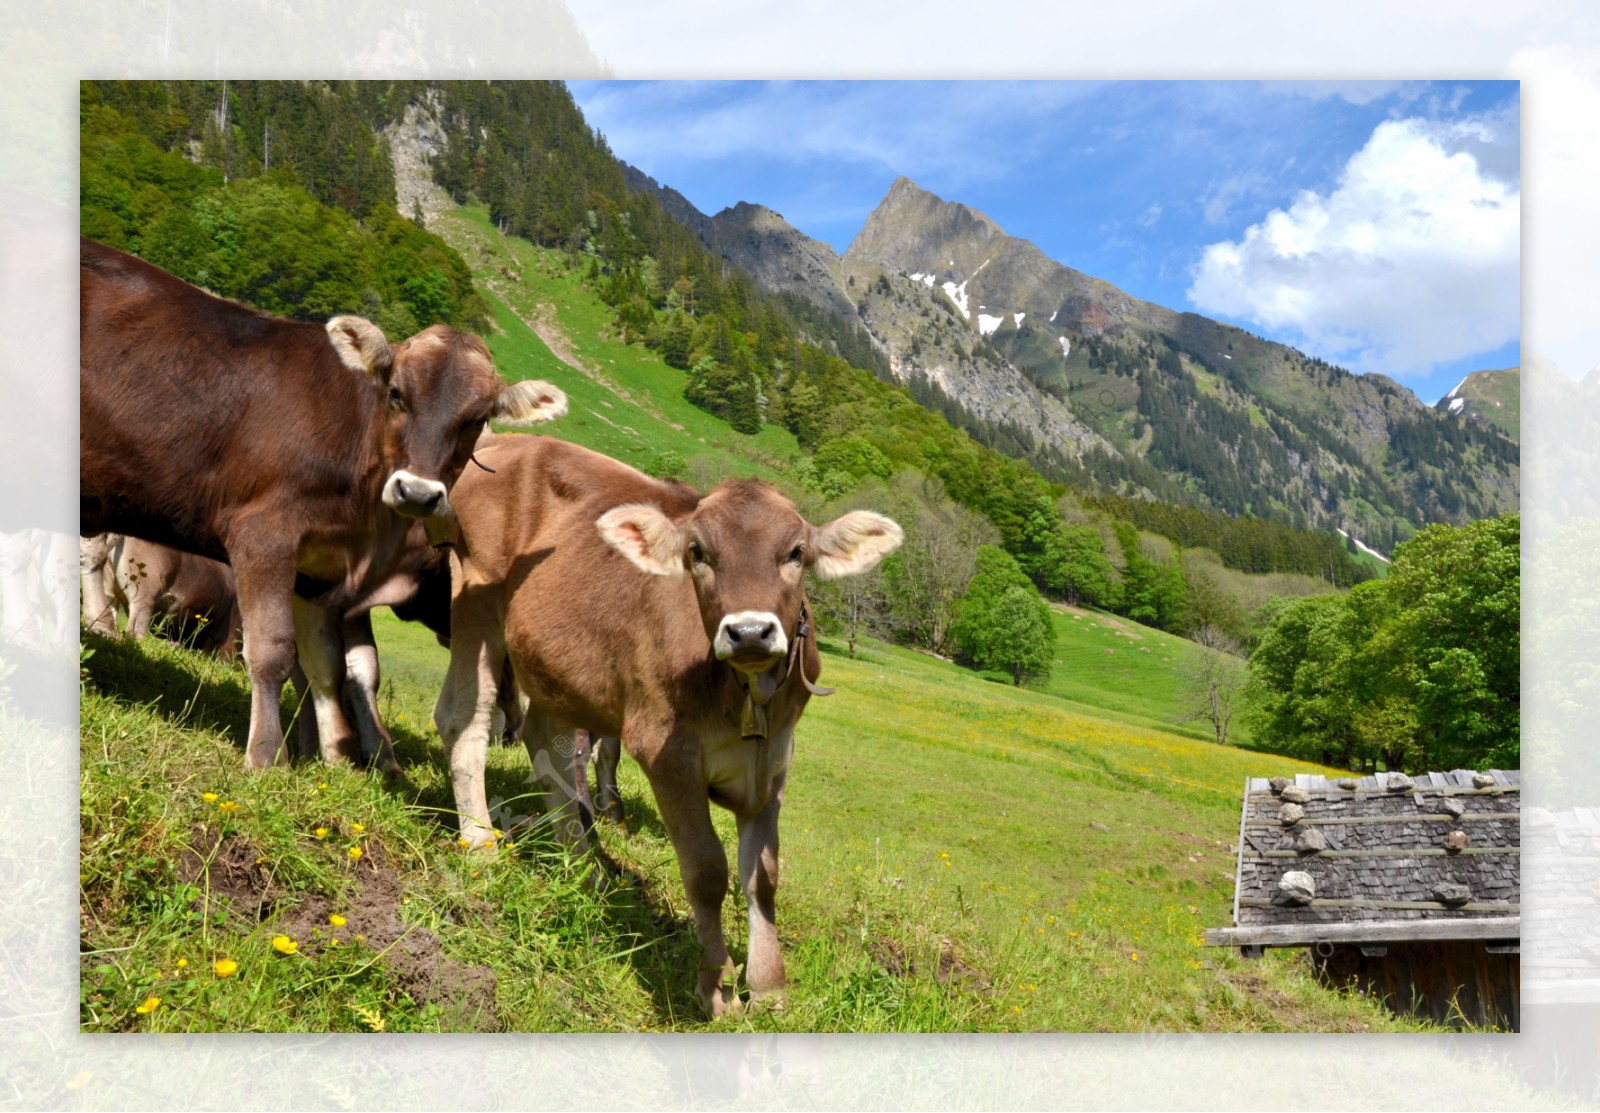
x,y
263,757
772,1001
480,840
722,1002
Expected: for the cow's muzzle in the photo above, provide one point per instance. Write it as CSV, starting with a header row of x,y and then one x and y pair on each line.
x,y
751,641
411,496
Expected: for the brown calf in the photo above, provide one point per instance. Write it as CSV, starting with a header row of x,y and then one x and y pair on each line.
x,y
634,608
301,454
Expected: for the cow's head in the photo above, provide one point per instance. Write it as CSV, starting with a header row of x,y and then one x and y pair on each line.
x,y
747,548
442,390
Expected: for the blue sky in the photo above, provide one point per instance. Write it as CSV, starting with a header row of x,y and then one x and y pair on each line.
x,y
1374,224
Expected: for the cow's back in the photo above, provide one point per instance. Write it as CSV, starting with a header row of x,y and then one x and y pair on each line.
x,y
194,410
590,634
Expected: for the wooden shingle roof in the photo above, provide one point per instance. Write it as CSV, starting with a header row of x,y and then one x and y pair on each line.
x,y
1378,858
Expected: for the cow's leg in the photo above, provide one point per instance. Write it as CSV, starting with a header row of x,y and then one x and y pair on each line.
x,y
559,757
320,646
758,870
362,677
608,801
306,743
510,699
265,571
98,613
680,794
465,711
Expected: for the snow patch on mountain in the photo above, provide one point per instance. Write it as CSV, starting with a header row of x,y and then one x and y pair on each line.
x,y
958,294
1457,404
1066,346
1362,545
987,324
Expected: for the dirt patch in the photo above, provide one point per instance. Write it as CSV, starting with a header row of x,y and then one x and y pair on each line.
x,y
948,969
411,956
231,875
1291,1014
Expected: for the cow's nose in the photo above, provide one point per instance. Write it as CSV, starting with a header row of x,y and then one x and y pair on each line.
x,y
755,637
752,633
415,497
424,496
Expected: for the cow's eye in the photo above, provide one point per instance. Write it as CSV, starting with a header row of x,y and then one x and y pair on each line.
x,y
696,553
394,397
797,554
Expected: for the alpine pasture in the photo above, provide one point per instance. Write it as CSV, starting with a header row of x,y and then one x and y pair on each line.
x,y
958,855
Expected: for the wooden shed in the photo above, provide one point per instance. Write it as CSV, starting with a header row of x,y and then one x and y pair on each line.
x,y
1408,887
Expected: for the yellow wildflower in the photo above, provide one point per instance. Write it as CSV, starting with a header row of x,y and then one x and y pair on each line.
x,y
355,853
209,797
150,1005
463,843
225,967
357,828
182,963
321,832
321,785
227,806
334,942
336,920
284,945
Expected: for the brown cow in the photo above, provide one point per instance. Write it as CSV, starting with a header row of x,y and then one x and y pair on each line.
x,y
301,454
196,593
632,607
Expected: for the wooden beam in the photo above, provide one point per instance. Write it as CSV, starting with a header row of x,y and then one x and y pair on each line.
x,y
1394,905
1420,852
1416,817
1426,790
1371,932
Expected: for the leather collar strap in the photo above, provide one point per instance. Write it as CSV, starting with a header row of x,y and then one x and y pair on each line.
x,y
753,718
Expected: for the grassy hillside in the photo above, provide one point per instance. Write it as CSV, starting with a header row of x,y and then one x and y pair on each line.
x,y
625,402
958,855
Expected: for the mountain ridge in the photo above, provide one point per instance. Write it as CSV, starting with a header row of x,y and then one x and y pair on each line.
x,y
1126,392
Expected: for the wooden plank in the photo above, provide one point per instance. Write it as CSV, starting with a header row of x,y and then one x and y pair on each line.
x,y
1365,790
1394,905
1238,867
1375,931
1417,817
1422,852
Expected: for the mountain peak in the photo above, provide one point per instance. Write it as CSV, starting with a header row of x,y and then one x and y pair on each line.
x,y
911,227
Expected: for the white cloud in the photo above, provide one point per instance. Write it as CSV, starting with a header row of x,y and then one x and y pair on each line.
x,y
1151,215
1410,261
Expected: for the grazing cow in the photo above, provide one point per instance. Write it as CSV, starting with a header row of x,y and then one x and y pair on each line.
x,y
301,454
635,608
197,593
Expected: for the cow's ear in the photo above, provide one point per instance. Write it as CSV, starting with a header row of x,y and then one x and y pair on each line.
x,y
647,537
361,346
853,544
529,402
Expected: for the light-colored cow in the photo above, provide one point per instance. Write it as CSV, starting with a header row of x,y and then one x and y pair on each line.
x,y
635,608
